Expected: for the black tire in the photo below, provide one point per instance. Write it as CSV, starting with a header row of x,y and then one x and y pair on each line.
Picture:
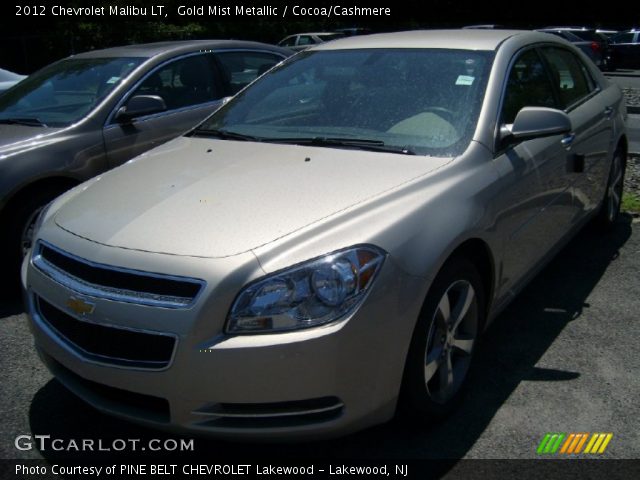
x,y
427,397
19,215
609,209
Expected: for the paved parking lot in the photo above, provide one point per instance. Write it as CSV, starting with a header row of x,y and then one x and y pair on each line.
x,y
562,358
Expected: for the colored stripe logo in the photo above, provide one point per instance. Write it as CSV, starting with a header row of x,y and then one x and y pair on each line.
x,y
574,443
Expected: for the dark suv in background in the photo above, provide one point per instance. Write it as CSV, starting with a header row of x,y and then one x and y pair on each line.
x,y
625,49
595,45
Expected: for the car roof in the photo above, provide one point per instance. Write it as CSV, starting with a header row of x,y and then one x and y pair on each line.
x,y
468,39
149,50
317,33
485,26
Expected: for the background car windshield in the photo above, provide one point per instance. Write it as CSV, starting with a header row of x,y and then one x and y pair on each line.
x,y
66,91
424,100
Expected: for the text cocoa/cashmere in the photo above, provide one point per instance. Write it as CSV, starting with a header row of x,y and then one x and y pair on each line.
x,y
269,10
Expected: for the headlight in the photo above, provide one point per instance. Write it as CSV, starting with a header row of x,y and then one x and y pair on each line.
x,y
307,295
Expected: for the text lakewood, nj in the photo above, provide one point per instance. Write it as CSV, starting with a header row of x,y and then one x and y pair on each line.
x,y
203,11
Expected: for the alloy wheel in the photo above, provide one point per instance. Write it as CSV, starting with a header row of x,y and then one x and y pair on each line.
x,y
452,336
26,236
614,190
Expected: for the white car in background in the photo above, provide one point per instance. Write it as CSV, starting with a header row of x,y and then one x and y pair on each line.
x,y
302,41
9,79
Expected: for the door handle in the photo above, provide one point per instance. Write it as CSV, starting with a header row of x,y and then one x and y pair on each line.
x,y
568,139
608,112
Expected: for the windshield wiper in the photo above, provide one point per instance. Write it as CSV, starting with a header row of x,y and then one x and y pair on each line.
x,y
361,143
31,122
224,134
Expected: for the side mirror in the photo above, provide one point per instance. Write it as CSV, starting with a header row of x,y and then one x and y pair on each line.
x,y
140,105
536,122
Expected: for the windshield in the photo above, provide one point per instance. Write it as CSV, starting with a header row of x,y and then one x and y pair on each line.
x,y
66,91
422,101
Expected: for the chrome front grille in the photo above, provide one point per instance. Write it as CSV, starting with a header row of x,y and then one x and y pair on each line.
x,y
108,344
115,283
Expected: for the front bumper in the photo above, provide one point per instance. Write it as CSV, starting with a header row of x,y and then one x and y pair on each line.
x,y
314,383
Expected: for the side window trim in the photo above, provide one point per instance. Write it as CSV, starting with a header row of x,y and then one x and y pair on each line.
x,y
110,118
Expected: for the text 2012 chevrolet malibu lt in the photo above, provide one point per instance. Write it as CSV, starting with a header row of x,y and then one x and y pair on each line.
x,y
328,246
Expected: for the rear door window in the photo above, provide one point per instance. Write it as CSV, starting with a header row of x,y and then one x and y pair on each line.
x,y
569,75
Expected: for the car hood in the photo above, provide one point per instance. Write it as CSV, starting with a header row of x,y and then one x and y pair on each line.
x,y
16,138
216,198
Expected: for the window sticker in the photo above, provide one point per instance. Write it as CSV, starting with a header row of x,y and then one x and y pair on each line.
x,y
113,80
465,80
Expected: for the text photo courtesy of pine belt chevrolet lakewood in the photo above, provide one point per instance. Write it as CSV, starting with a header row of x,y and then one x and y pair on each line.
x,y
93,111
326,249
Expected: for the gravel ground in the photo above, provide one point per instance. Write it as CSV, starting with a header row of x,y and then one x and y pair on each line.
x,y
632,176
632,97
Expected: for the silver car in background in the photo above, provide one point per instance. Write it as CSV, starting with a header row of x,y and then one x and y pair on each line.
x,y
93,111
329,245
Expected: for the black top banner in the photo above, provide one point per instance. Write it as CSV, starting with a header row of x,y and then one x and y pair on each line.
x,y
42,31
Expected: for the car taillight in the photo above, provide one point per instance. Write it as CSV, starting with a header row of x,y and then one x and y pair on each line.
x,y
595,46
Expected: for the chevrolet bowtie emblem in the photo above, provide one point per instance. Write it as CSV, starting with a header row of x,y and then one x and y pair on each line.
x,y
81,307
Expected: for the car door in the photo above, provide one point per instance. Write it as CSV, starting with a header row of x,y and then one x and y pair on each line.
x,y
536,205
590,110
191,88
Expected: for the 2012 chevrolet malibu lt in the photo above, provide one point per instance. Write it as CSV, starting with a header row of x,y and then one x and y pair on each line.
x,y
328,246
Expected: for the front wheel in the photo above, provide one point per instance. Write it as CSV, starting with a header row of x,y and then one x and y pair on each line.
x,y
17,236
443,342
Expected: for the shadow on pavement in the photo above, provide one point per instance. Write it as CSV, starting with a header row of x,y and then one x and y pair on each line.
x,y
511,348
12,305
